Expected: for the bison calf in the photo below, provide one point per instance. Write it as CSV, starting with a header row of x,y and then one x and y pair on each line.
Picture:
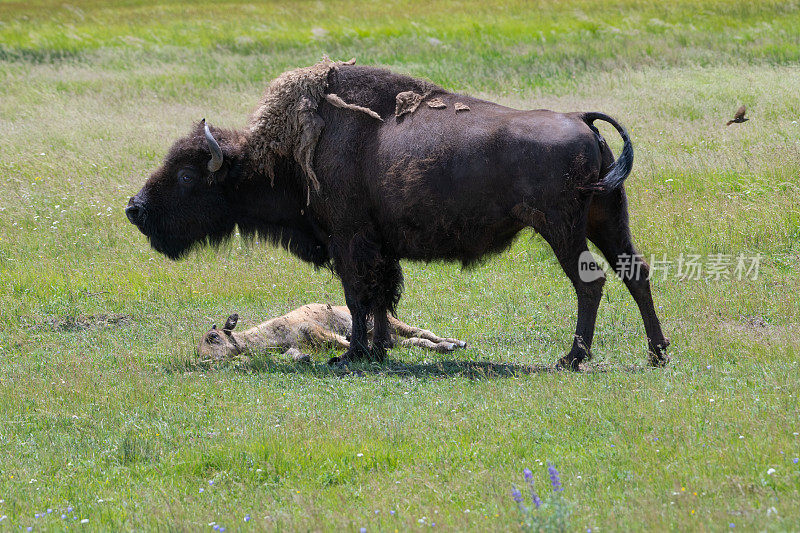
x,y
312,326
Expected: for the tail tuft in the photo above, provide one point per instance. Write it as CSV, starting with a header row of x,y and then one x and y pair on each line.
x,y
621,168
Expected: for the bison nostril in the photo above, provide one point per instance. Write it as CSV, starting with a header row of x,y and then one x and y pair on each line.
x,y
133,212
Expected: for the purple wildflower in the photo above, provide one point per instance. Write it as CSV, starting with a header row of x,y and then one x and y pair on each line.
x,y
247,518
537,501
517,495
528,475
555,479
529,478
69,509
363,530
63,517
391,513
795,460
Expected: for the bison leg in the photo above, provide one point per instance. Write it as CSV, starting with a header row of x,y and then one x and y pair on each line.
x,y
387,295
609,230
359,338
570,251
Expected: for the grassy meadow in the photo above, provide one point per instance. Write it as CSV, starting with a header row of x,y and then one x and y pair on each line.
x,y
107,422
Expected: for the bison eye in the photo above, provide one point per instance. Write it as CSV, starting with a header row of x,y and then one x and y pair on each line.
x,y
186,176
213,337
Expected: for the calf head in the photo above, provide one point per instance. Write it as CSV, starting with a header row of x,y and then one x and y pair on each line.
x,y
217,345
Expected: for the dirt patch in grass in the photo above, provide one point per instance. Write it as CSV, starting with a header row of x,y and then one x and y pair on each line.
x,y
87,322
761,331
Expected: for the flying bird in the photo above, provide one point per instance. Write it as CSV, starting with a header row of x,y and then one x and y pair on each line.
x,y
739,116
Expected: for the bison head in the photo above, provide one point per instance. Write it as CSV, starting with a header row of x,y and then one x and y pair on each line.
x,y
217,345
187,200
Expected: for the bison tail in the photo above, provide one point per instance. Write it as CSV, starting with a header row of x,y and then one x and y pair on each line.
x,y
616,175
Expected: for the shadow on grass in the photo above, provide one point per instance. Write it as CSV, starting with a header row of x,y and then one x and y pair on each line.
x,y
444,368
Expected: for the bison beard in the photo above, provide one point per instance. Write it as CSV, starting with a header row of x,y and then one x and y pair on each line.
x,y
349,183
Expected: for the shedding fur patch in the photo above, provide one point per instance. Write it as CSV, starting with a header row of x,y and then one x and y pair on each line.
x,y
335,99
286,122
461,107
406,102
436,103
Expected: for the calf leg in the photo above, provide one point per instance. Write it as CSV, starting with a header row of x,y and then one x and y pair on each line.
x,y
441,347
316,336
569,249
402,329
609,230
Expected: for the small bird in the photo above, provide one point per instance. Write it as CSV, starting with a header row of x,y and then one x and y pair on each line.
x,y
739,116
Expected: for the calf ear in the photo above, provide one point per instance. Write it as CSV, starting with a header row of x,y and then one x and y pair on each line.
x,y
231,322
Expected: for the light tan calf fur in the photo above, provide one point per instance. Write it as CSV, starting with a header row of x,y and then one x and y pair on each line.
x,y
313,327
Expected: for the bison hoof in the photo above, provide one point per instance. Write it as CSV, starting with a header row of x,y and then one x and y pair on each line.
x,y
568,362
377,354
657,354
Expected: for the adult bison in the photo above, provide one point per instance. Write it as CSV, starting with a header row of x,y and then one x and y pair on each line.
x,y
357,167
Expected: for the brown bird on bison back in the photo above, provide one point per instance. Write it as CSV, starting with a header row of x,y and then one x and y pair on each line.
x,y
739,116
330,169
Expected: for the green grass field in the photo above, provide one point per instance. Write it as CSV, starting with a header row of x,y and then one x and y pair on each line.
x,y
105,416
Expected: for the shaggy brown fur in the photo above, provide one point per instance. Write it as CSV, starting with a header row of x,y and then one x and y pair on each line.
x,y
421,184
286,124
310,327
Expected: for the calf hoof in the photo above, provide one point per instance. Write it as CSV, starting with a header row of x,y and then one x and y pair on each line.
x,y
338,362
298,356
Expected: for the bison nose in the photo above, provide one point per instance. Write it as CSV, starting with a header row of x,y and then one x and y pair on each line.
x,y
134,211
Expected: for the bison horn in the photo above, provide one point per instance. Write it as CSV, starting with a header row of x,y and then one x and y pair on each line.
x,y
216,151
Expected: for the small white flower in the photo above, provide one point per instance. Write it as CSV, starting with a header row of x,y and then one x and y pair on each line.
x,y
770,471
359,455
85,521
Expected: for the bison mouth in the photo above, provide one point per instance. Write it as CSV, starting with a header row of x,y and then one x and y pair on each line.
x,y
172,247
176,246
